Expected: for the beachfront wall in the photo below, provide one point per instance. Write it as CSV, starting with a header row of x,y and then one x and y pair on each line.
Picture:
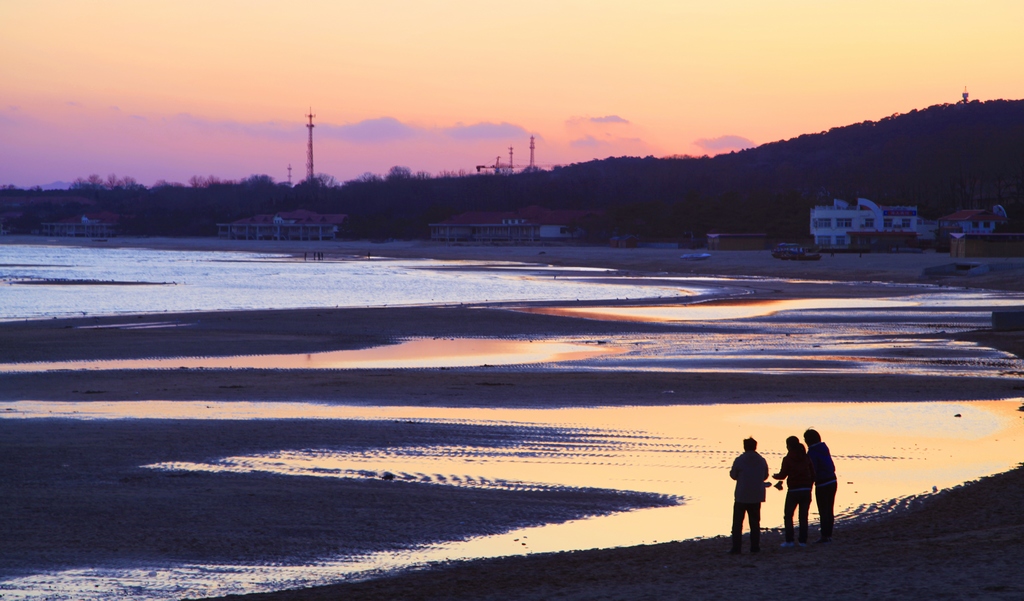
x,y
882,241
291,225
93,225
531,224
964,246
737,241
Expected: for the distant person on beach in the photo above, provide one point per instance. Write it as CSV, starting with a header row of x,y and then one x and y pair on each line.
x,y
750,471
825,482
798,470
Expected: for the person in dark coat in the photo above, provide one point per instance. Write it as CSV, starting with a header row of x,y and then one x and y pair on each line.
x,y
825,482
798,470
750,471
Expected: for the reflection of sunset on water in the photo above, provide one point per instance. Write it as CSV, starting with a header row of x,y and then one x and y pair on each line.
x,y
420,353
882,450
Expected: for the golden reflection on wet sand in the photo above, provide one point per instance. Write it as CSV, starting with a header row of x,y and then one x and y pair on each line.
x,y
712,310
415,353
883,451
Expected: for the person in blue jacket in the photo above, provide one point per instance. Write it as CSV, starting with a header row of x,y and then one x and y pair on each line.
x,y
825,483
750,471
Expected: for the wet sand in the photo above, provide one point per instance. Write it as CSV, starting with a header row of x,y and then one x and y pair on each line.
x,y
960,544
963,544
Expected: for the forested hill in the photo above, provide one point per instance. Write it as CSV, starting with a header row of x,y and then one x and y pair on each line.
x,y
943,158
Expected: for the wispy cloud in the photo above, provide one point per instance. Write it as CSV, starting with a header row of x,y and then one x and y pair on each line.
x,y
609,119
485,131
268,129
587,141
724,143
609,143
383,129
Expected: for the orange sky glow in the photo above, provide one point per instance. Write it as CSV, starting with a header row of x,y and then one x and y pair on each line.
x,y
167,90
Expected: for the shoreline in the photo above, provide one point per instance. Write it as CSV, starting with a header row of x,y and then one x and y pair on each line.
x,y
904,268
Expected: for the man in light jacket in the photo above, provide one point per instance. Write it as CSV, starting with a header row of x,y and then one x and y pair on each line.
x,y
750,471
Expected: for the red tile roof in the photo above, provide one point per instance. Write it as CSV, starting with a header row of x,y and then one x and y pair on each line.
x,y
973,215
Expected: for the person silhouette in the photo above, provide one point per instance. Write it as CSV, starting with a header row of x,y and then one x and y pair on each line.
x,y
825,482
750,471
798,470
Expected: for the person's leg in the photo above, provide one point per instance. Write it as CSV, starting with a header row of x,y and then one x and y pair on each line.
x,y
787,515
826,499
804,502
754,511
738,509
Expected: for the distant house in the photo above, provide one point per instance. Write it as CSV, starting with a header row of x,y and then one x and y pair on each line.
x,y
972,221
720,241
286,225
90,225
532,224
964,246
5,221
868,226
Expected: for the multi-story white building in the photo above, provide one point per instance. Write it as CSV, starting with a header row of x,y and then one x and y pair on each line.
x,y
867,225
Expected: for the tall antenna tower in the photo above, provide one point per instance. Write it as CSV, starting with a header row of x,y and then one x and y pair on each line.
x,y
965,95
531,153
309,145
289,175
511,165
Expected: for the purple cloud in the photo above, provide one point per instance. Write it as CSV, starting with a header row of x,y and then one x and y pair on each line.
x,y
485,131
267,129
587,141
383,129
609,119
724,143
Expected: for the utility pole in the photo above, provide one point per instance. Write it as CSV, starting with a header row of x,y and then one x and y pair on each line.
x,y
309,146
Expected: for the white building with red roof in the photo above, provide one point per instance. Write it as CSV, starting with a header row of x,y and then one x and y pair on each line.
x,y
286,225
972,221
532,224
868,226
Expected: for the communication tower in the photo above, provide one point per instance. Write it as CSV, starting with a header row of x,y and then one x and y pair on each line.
x,y
309,145
511,164
289,175
531,153
965,95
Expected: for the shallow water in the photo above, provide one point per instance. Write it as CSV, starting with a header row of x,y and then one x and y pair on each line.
x,y
57,281
883,451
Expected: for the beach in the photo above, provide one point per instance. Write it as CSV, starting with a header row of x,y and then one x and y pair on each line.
x,y
956,544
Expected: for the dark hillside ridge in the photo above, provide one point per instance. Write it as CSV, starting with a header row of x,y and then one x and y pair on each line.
x,y
942,159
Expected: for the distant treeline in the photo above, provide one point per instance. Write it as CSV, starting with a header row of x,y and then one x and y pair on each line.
x,y
942,159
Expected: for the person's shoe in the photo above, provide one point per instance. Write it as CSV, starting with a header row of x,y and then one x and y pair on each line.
x,y
787,545
734,552
822,540
755,550
802,544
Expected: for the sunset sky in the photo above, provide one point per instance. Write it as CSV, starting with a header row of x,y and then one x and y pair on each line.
x,y
167,90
